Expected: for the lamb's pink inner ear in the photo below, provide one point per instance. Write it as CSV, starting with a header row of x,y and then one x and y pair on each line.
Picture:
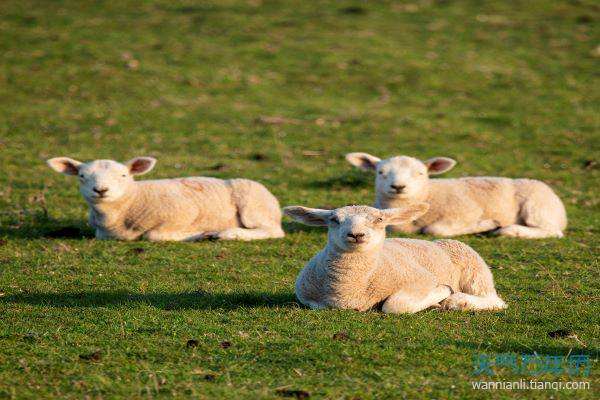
x,y
64,165
367,163
141,165
363,161
315,219
308,216
439,165
69,168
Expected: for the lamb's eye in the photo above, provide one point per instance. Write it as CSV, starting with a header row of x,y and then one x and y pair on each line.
x,y
335,220
81,176
379,220
380,172
124,176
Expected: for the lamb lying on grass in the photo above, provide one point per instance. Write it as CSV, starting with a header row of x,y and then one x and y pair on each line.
x,y
523,208
359,268
171,209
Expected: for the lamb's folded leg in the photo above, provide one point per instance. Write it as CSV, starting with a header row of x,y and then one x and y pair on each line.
x,y
258,212
445,229
168,236
407,302
527,232
464,301
245,234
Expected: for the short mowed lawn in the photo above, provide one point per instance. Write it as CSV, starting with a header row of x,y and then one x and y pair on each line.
x,y
279,91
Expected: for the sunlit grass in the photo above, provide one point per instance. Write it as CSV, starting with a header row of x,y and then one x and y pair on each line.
x,y
279,92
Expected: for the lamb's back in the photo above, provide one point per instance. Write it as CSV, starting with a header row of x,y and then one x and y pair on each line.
x,y
414,254
492,197
203,202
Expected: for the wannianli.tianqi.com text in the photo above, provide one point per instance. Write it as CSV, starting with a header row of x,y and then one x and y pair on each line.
x,y
525,384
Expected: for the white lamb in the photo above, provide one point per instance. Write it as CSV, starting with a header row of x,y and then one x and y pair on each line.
x,y
359,269
171,209
523,208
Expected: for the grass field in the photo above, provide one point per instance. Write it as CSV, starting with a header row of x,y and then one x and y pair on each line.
x,y
278,92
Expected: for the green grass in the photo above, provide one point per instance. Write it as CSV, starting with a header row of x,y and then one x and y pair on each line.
x,y
506,88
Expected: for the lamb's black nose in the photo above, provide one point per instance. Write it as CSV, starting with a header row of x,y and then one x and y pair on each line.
x,y
358,237
398,188
100,191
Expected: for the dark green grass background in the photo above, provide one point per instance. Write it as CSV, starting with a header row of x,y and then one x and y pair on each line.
x,y
506,88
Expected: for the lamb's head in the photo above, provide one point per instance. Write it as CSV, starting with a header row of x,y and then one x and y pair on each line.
x,y
356,228
400,177
103,180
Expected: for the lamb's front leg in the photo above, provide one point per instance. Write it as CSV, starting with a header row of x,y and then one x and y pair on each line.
x,y
104,234
411,302
101,234
92,219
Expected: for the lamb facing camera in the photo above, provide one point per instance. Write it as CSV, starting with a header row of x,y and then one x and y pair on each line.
x,y
181,209
359,268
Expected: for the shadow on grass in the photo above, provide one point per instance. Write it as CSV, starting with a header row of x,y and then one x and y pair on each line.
x,y
59,229
75,230
48,228
167,301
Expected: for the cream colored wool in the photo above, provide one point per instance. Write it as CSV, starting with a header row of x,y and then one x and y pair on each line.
x,y
171,209
359,269
523,208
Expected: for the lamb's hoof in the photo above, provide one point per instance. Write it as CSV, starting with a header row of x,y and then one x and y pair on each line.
x,y
456,301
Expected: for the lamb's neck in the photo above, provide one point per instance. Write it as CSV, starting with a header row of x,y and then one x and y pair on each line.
x,y
383,201
352,267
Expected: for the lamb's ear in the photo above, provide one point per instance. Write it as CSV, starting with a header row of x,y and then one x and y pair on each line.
x,y
439,165
363,161
64,165
396,216
308,216
140,165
